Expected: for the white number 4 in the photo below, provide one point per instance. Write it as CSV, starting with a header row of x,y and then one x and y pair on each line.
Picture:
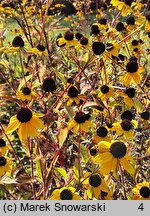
x,y
141,207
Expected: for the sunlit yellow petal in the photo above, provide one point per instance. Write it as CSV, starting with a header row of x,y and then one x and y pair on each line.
x,y
72,123
76,128
13,125
22,132
37,123
127,166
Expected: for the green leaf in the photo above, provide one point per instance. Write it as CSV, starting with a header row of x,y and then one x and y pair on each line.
x,y
39,168
89,193
70,111
76,171
62,172
62,136
7,180
138,105
61,77
84,154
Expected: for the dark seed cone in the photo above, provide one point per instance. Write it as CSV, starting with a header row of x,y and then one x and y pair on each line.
x,y
49,85
132,67
98,48
95,30
40,47
78,36
66,195
130,20
127,115
18,42
69,35
120,26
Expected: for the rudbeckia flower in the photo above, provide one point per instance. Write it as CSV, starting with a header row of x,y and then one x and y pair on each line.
x,y
72,96
99,13
98,48
113,48
98,110
25,94
95,183
112,155
5,165
27,122
106,92
49,84
133,73
38,50
65,193
125,127
141,191
103,25
80,122
123,6
130,23
144,20
135,46
67,39
128,96
3,147
101,135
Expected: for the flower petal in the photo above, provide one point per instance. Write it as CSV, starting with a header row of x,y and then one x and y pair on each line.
x,y
72,123
13,125
36,122
22,132
127,166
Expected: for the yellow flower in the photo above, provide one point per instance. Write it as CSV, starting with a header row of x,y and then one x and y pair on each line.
x,y
135,46
141,191
131,23
99,13
95,183
98,110
27,122
125,127
80,122
106,92
113,48
5,165
145,20
101,135
3,147
102,24
72,96
128,96
25,94
123,7
112,156
133,74
38,51
65,193
67,40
